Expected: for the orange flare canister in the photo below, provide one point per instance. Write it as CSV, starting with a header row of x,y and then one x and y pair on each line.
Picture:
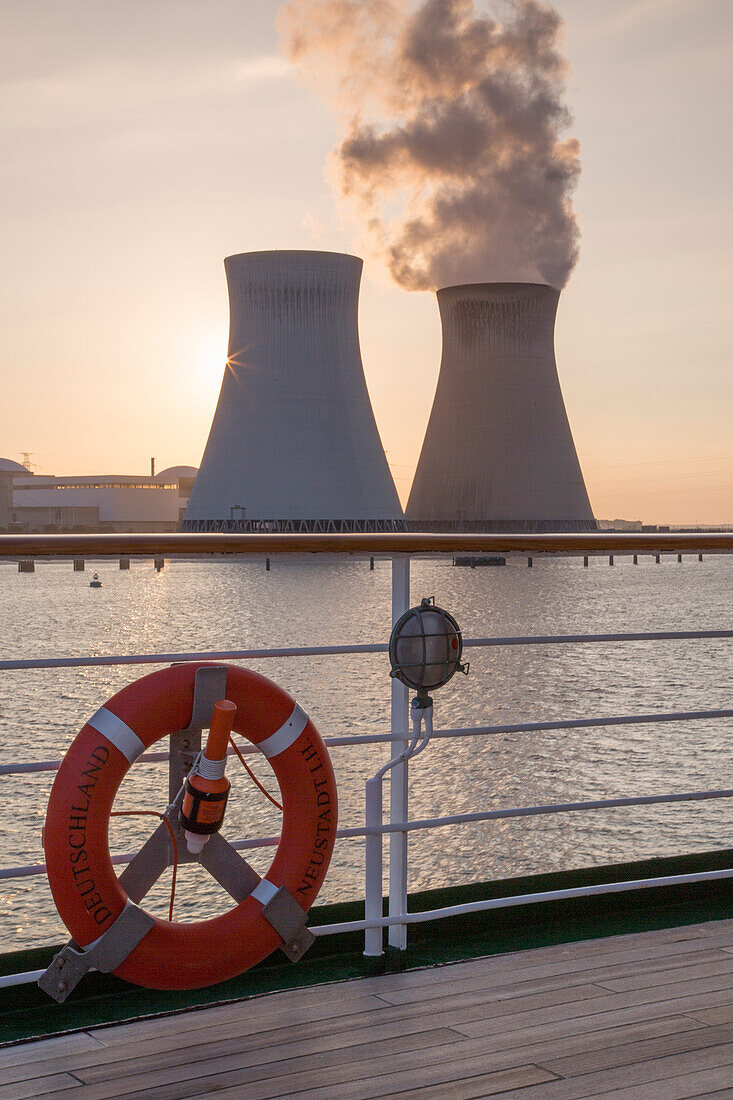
x,y
221,726
207,788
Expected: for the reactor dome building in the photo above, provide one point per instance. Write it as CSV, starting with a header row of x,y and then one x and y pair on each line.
x,y
498,453
293,444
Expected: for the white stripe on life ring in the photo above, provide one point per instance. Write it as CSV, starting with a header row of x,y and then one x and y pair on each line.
x,y
287,735
118,732
264,891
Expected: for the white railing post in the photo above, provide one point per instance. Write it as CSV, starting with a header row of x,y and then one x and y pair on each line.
x,y
373,885
399,729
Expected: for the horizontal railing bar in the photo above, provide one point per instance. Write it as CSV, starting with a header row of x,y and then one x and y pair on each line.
x,y
556,808
190,543
468,731
568,724
572,639
338,650
520,899
25,978
27,871
28,976
435,822
179,658
35,766
30,870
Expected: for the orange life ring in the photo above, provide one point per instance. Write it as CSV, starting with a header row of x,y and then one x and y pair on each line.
x,y
84,885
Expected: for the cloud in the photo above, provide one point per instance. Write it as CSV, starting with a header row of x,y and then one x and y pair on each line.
x,y
647,11
255,70
106,90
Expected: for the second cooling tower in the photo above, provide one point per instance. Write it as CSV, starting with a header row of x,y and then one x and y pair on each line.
x,y
294,445
498,453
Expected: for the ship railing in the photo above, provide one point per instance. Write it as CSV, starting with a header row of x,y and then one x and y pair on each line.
x,y
399,548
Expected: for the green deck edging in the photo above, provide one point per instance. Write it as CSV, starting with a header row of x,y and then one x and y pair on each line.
x,y
26,1013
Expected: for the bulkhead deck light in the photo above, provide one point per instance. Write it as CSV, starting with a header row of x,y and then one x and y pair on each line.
x,y
425,648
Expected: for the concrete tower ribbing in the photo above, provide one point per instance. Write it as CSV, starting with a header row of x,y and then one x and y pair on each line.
x,y
294,445
498,453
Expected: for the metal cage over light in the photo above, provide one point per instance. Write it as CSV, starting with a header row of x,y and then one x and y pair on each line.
x,y
425,648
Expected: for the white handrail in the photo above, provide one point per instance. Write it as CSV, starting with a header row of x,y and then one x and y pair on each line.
x,y
520,899
21,768
554,808
31,869
339,650
28,976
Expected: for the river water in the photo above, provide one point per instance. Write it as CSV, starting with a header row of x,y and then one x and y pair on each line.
x,y
214,605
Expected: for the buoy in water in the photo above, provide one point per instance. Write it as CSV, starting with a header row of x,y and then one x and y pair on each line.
x,y
95,581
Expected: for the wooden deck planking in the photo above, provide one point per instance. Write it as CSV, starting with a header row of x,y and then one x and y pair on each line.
x,y
424,1072
22,1053
669,943
354,997
648,1015
362,1080
644,1079
340,1066
58,1082
705,994
540,982
289,1059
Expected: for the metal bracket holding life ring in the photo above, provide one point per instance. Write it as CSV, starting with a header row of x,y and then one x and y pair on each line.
x,y
110,931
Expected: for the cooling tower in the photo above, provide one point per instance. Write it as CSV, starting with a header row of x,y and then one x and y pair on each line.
x,y
293,445
498,453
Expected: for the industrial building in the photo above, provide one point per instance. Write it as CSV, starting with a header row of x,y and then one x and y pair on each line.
x,y
183,477
103,502
9,470
498,453
294,444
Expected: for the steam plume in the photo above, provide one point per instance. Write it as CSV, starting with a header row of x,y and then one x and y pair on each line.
x,y
452,149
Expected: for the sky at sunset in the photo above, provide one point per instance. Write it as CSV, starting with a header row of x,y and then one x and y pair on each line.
x,y
145,140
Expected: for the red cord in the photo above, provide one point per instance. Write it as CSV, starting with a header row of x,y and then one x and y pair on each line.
x,y
166,822
253,777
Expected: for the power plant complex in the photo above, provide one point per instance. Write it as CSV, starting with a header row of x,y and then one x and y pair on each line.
x,y
498,453
294,444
